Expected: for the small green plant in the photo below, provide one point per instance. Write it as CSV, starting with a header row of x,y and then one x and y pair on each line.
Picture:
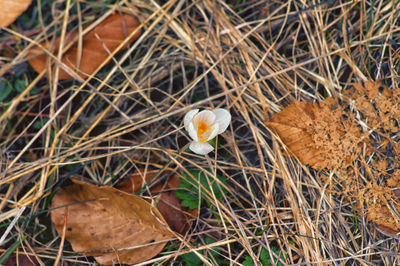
x,y
5,90
11,87
191,259
192,192
265,258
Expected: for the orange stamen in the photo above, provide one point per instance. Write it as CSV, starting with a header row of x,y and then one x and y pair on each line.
x,y
201,128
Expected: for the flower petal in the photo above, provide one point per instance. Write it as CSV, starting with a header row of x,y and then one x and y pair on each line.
x,y
201,148
206,116
192,132
223,119
214,132
188,118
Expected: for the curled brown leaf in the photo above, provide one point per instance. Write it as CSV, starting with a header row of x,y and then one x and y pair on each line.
x,y
11,10
358,139
179,218
109,224
96,46
317,134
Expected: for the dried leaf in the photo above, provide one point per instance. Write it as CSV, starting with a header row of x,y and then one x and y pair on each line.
x,y
325,136
377,105
378,108
21,260
178,217
379,203
10,10
134,182
110,33
108,224
317,134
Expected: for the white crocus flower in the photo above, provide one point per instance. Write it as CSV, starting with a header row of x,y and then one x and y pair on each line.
x,y
204,126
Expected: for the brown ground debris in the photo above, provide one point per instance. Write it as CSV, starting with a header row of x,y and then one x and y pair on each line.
x,y
358,140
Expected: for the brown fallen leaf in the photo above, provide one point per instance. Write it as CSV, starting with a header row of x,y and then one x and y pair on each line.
x,y
379,109
10,10
317,134
179,218
109,224
110,33
21,259
376,104
326,136
134,182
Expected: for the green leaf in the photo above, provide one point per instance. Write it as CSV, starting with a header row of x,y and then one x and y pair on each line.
x,y
248,261
5,90
214,143
213,250
39,124
20,85
191,259
265,257
190,192
258,233
187,199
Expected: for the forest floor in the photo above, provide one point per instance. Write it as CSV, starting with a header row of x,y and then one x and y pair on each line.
x,y
306,172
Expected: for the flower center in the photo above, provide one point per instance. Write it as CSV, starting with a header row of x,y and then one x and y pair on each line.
x,y
202,128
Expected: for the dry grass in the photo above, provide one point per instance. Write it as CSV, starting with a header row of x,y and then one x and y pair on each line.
x,y
252,57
